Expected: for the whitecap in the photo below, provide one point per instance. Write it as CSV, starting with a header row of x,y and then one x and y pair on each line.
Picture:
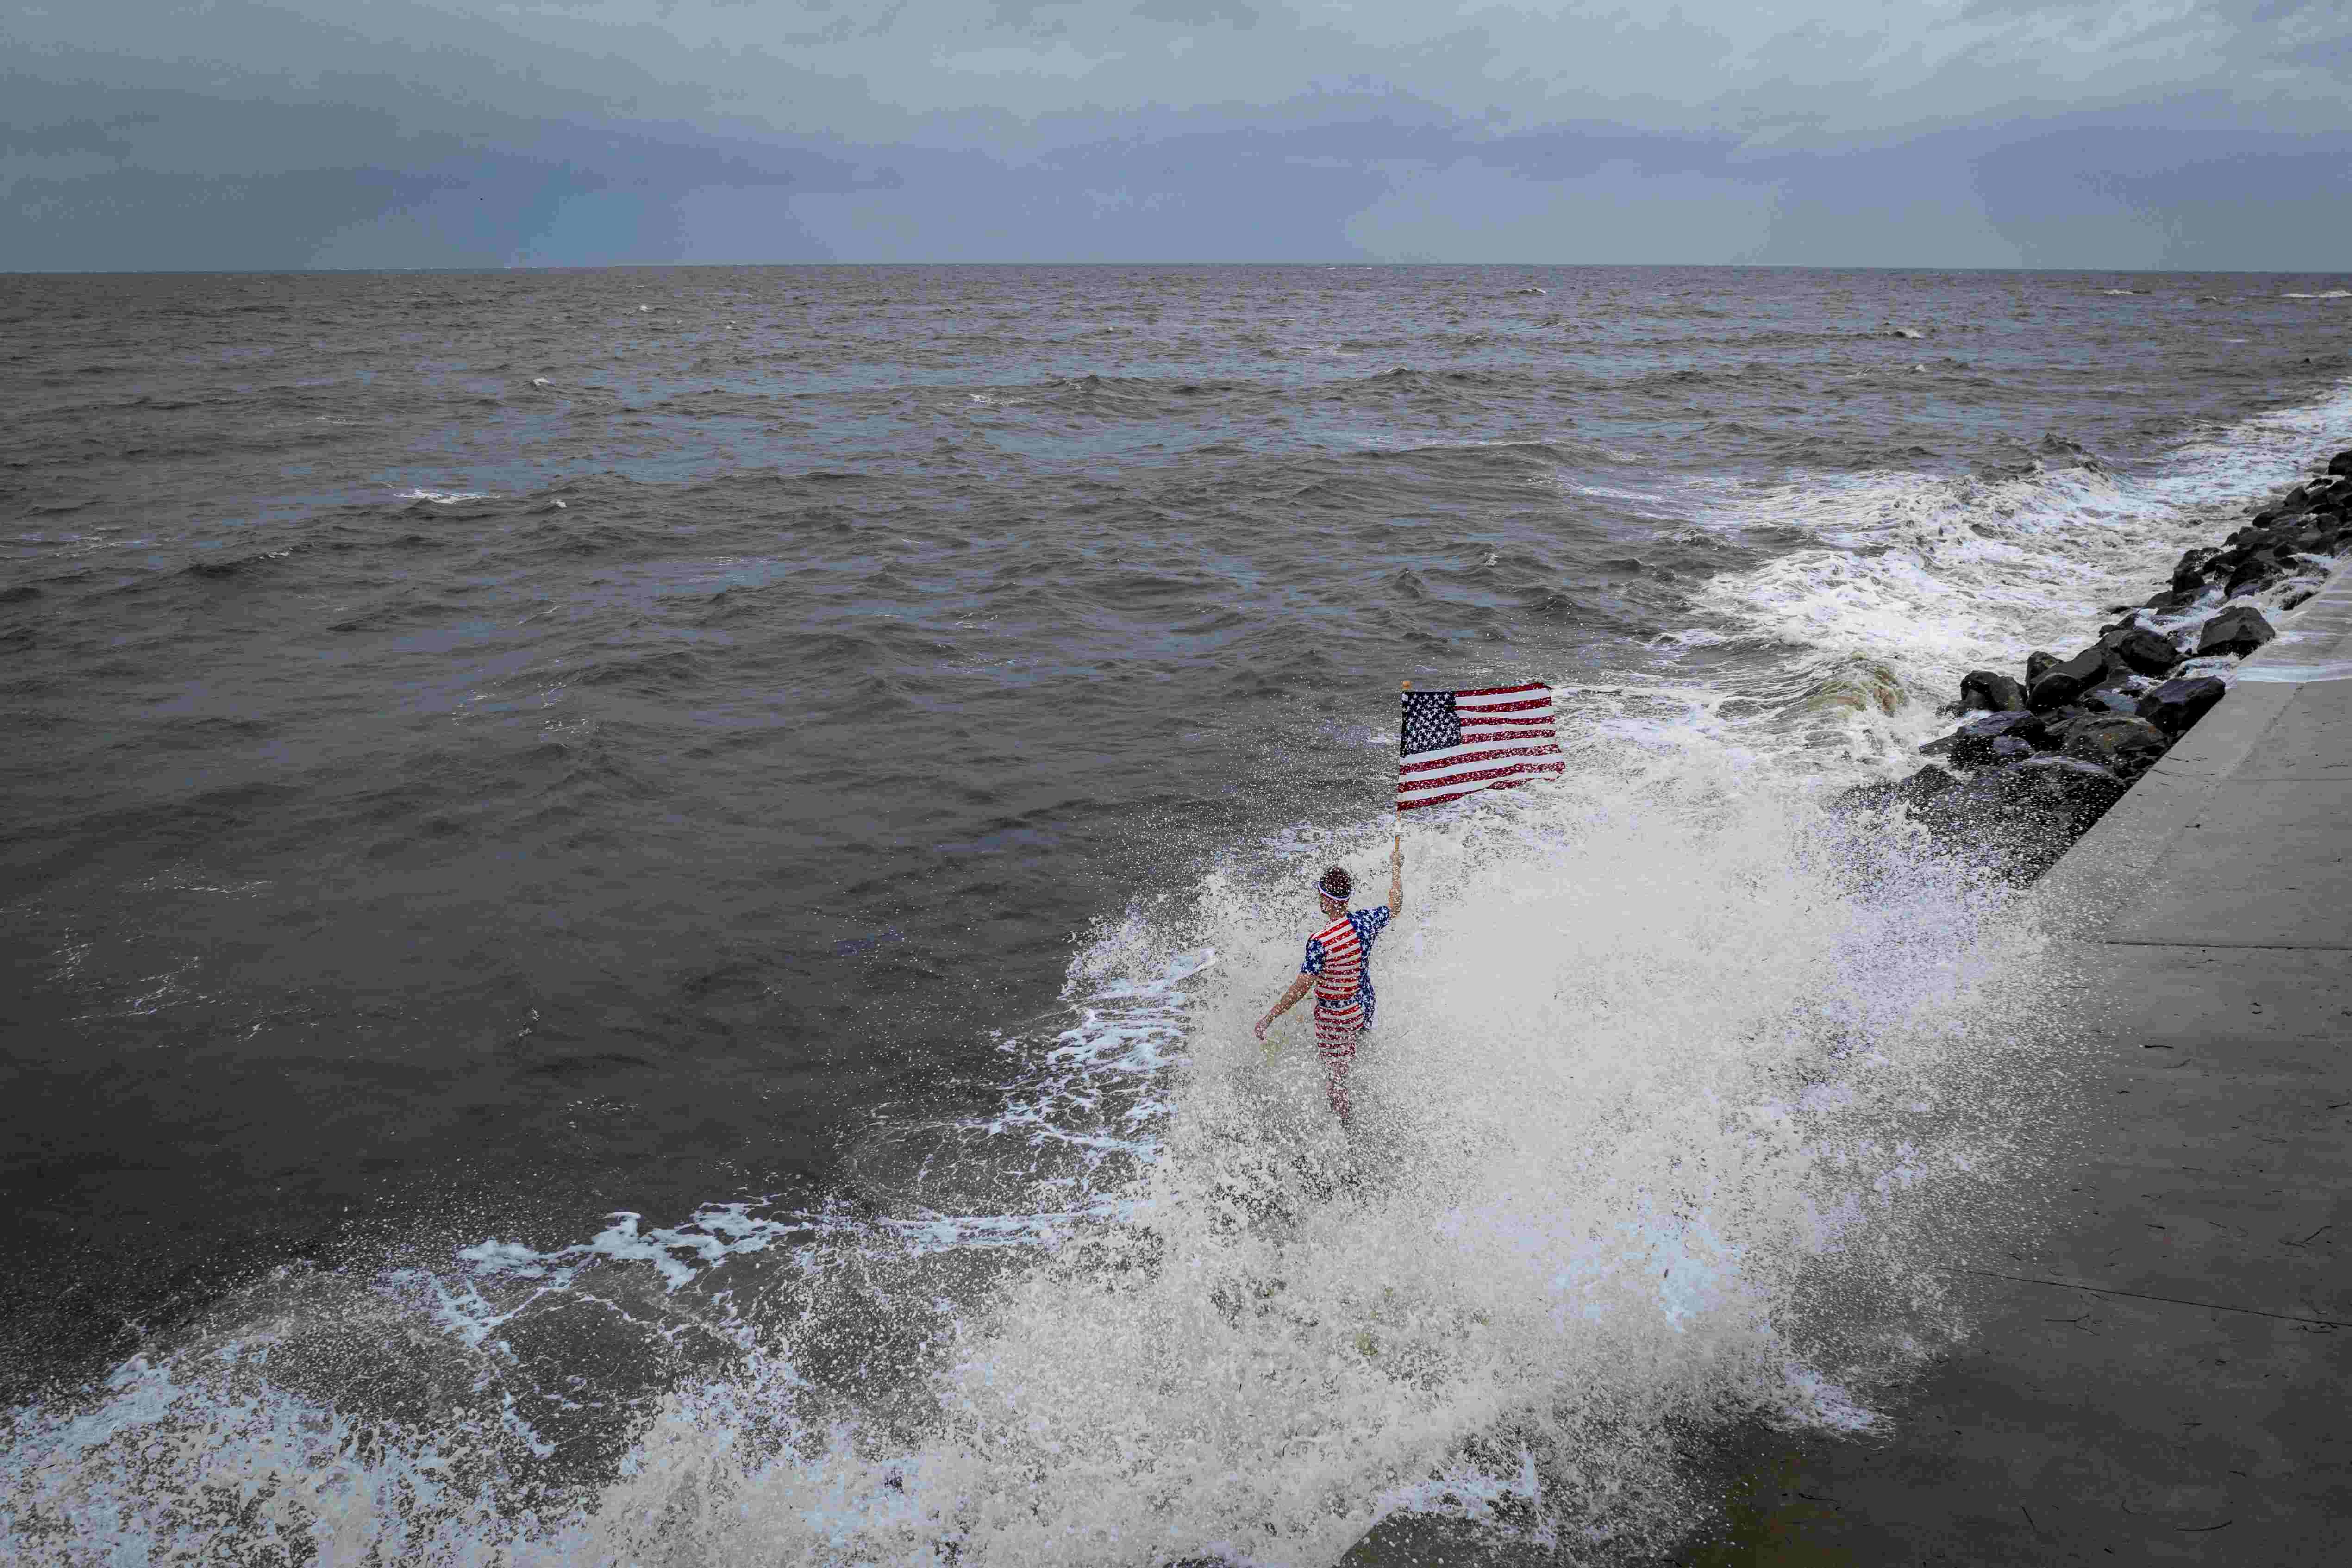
x,y
444,498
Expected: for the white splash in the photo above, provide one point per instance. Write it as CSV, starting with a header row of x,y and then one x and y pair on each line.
x,y
1916,578
1650,1057
444,498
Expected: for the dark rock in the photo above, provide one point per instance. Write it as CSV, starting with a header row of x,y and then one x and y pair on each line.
x,y
2143,651
1939,748
2009,748
2056,727
2177,600
2037,663
2020,818
2253,577
2062,683
2236,632
2126,745
2173,707
1924,785
1986,691
2112,699
1972,745
2190,572
2340,463
1928,781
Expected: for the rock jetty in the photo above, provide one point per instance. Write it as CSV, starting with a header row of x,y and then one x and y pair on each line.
x,y
2037,759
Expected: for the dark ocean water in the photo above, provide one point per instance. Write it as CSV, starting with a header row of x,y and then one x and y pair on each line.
x,y
817,760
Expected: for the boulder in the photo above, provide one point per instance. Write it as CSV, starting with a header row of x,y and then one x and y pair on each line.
x,y
2126,744
2037,664
2189,572
2056,727
2253,577
1987,692
2237,631
1924,785
1973,745
2173,707
2020,818
2112,699
2143,651
2340,463
2062,683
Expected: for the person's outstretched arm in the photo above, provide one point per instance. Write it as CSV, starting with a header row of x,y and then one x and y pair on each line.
x,y
1396,878
1289,999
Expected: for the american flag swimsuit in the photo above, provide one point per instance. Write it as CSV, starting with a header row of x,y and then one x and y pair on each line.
x,y
1340,957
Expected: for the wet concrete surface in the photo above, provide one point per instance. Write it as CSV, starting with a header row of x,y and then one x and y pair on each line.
x,y
2166,1377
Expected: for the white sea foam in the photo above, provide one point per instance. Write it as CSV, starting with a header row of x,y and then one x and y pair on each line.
x,y
443,497
2325,294
1916,578
1664,1101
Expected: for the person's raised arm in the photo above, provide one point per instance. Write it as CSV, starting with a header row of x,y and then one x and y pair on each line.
x,y
1396,878
1289,999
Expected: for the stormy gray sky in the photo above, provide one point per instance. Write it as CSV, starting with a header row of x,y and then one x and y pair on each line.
x,y
239,133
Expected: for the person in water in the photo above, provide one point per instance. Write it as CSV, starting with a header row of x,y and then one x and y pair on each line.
x,y
1339,967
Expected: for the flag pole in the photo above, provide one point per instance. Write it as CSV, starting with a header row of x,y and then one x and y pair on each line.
x,y
1400,805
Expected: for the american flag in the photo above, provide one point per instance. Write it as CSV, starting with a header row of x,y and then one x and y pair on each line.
x,y
1457,743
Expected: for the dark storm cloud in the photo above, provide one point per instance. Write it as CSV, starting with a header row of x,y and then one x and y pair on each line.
x,y
2166,133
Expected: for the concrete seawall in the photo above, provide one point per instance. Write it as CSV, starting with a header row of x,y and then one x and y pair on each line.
x,y
2167,1375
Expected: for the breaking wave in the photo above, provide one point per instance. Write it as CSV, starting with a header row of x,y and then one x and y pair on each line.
x,y
1670,1083
1908,580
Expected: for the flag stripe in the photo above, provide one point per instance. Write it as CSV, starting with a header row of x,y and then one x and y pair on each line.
x,y
1454,757
1414,805
1502,691
1470,784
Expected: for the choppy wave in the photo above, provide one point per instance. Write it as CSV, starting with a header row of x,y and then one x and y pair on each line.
x,y
442,497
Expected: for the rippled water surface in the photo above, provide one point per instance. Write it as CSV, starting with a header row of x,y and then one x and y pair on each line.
x,y
633,899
